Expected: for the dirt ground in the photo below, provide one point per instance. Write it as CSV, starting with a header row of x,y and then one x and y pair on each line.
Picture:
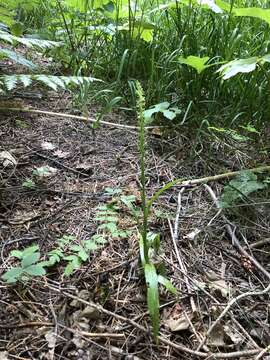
x,y
100,312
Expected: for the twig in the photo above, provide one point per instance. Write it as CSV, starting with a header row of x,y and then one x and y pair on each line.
x,y
76,117
58,163
241,296
162,339
262,353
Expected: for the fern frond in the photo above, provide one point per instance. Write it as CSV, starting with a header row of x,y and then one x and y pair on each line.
x,y
9,82
17,58
29,42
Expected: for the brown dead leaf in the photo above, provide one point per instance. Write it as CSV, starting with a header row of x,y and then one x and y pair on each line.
x,y
232,333
216,338
192,235
179,324
156,131
177,319
85,167
221,287
51,338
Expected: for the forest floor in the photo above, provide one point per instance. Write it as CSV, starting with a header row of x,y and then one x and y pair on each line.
x,y
100,311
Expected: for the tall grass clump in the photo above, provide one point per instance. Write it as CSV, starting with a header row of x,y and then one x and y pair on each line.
x,y
119,41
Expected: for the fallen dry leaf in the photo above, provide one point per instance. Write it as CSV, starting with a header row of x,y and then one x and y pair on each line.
x,y
7,159
4,355
216,338
47,145
192,235
177,319
232,333
221,287
61,154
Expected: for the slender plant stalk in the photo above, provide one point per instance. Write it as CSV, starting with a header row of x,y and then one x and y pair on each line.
x,y
140,115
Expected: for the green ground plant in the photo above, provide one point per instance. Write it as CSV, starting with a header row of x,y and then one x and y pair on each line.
x,y
195,57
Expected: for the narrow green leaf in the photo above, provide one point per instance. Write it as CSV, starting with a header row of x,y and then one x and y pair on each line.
x,y
151,278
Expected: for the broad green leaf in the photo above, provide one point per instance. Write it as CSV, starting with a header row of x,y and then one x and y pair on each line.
x,y
167,284
155,109
223,5
90,245
151,279
30,250
111,227
169,114
262,14
17,254
80,251
238,66
144,34
74,264
12,275
198,63
106,218
243,185
35,270
30,259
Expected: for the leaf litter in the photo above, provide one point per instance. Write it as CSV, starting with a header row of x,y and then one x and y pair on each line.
x,y
40,320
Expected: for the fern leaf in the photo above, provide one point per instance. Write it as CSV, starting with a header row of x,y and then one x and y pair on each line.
x,y
17,58
53,82
29,42
11,82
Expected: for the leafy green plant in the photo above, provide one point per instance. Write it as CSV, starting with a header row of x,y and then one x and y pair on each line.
x,y
67,251
169,112
73,254
239,188
149,243
29,183
29,265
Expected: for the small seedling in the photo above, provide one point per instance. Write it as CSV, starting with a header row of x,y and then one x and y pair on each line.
x,y
28,183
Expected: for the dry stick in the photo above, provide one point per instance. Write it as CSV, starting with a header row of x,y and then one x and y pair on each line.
x,y
241,296
229,174
262,353
77,117
236,354
174,233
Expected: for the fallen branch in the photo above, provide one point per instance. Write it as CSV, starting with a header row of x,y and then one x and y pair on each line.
x,y
204,180
235,242
180,347
85,119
